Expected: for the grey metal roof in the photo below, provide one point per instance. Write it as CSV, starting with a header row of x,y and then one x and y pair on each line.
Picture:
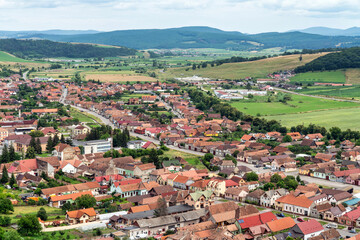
x,y
171,219
150,213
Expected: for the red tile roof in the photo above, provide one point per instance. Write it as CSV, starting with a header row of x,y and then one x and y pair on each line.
x,y
310,226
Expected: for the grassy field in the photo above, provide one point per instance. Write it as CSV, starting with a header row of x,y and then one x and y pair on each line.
x,y
6,57
22,210
342,91
321,77
126,97
74,113
192,159
342,118
119,78
298,104
257,69
352,75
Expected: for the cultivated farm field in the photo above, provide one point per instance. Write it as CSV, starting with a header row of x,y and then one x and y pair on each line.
x,y
341,91
6,57
257,69
298,104
343,118
119,78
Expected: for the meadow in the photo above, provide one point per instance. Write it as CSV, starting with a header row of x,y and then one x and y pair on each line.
x,y
256,69
74,113
298,104
341,91
343,118
352,75
119,78
6,57
320,77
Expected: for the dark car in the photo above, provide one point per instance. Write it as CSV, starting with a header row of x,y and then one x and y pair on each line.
x,y
300,219
280,215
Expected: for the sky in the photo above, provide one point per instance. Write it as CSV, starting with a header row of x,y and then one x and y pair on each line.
x,y
247,16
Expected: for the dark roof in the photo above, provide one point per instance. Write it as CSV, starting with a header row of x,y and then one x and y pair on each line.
x,y
150,213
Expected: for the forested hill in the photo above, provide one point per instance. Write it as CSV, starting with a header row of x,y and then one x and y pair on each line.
x,y
46,49
346,58
205,37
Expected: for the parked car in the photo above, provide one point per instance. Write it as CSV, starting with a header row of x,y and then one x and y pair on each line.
x,y
332,225
300,219
280,215
266,168
352,231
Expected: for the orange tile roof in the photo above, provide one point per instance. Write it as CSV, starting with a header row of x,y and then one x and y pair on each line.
x,y
72,196
79,213
281,224
141,208
300,201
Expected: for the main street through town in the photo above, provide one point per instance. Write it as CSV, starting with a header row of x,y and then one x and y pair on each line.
x,y
322,182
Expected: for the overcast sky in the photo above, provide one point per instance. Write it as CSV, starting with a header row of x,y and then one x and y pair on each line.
x,y
249,16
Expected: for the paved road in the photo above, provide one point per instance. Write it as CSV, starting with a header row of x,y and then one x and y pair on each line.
x,y
25,75
315,96
251,166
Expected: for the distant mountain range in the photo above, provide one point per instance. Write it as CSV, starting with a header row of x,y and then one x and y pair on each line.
x,y
19,34
198,37
354,31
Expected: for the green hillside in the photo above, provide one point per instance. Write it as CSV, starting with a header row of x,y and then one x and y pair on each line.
x,y
206,37
6,57
257,69
346,58
46,48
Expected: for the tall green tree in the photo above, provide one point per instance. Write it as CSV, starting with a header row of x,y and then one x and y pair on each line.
x,y
56,140
5,176
30,152
29,225
38,149
6,206
12,181
49,145
42,214
5,158
85,201
12,154
33,142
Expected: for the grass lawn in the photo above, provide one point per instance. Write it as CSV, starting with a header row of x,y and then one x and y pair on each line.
x,y
44,155
321,77
80,115
195,162
174,153
342,91
67,234
126,97
296,105
342,118
23,210
257,69
323,223
190,158
93,125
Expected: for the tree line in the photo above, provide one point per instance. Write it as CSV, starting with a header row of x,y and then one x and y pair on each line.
x,y
345,58
208,103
